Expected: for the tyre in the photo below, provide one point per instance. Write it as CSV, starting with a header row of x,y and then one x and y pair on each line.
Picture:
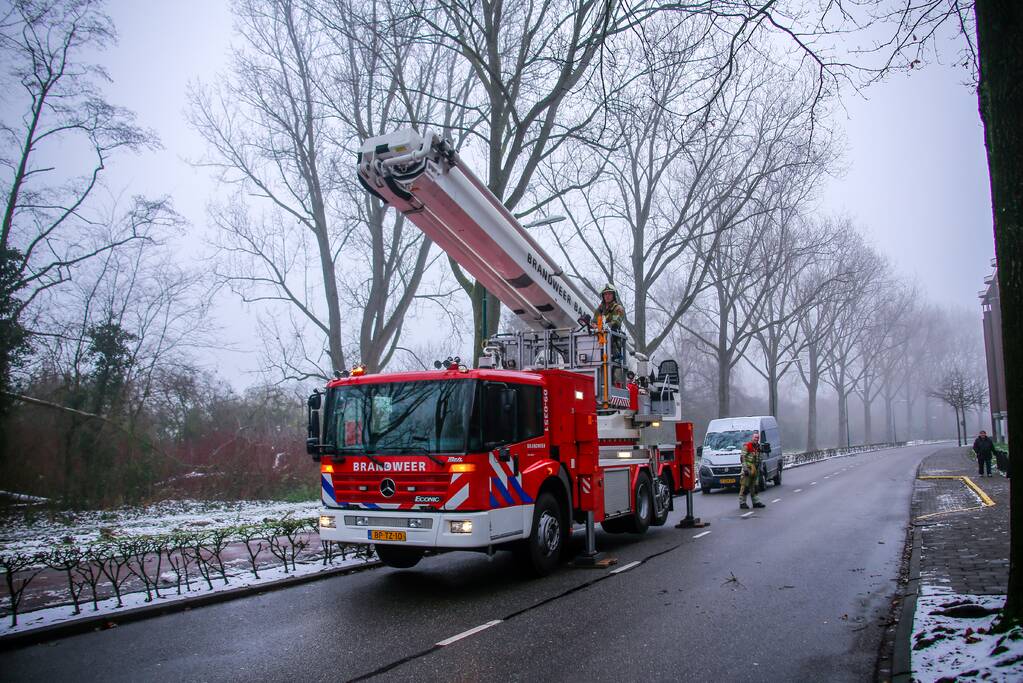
x,y
541,552
762,479
398,557
643,513
662,487
777,475
705,489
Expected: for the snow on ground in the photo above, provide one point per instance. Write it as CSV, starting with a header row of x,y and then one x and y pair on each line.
x,y
29,530
62,614
951,639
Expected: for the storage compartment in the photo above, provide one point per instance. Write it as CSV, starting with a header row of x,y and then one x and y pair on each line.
x,y
616,491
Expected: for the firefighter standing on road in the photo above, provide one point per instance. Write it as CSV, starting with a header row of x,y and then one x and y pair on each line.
x,y
750,472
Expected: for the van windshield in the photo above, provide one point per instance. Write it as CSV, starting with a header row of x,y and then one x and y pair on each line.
x,y
724,441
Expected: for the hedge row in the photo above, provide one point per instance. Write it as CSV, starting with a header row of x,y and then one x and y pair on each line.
x,y
104,567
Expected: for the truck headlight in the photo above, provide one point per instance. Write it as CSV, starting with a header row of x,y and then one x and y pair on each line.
x,y
463,526
705,471
327,522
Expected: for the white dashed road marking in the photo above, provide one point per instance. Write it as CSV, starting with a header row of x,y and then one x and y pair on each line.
x,y
701,534
813,483
625,568
747,514
470,632
776,500
797,490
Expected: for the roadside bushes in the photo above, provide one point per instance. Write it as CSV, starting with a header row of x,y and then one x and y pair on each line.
x,y
112,567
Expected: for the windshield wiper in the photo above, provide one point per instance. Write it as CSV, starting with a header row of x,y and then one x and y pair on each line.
x,y
415,449
376,461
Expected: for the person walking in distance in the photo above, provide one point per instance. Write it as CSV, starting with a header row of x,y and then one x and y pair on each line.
x,y
985,449
750,472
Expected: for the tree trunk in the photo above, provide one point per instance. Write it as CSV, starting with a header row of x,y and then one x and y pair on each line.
x,y
811,412
889,419
843,418
868,424
959,434
1000,46
724,378
772,389
909,416
491,318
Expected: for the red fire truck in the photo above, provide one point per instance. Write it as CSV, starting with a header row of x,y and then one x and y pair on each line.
x,y
560,424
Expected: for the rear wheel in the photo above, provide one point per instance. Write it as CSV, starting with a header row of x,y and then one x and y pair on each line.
x,y
643,513
662,495
762,479
777,475
398,557
542,550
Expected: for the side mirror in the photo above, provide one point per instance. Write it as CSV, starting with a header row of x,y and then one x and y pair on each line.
x,y
765,448
313,411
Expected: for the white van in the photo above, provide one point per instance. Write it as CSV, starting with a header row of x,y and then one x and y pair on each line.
x,y
722,448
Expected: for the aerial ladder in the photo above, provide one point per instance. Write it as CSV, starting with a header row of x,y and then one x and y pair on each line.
x,y
423,177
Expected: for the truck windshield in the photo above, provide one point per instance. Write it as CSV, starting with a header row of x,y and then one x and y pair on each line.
x,y
725,441
400,417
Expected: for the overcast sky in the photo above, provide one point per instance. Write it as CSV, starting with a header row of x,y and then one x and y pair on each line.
x,y
916,181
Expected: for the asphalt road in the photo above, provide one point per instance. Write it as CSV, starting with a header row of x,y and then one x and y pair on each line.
x,y
794,592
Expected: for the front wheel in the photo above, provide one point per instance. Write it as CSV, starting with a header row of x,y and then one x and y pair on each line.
x,y
542,550
398,557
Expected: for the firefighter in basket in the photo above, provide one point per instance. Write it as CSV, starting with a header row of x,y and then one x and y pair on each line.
x,y
613,313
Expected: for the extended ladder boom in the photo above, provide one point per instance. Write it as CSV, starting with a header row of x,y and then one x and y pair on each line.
x,y
423,177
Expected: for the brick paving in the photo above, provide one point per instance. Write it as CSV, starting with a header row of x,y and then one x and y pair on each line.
x,y
967,550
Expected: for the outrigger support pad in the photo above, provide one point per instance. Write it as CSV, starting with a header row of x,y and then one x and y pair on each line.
x,y
690,522
590,558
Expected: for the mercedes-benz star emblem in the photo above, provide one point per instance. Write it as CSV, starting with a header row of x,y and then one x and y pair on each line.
x,y
388,488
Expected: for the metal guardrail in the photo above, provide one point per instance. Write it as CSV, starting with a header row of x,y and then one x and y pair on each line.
x,y
824,453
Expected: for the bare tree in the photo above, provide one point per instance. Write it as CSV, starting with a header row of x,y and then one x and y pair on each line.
x,y
881,348
962,391
851,324
527,61
744,267
310,83
791,249
56,102
265,127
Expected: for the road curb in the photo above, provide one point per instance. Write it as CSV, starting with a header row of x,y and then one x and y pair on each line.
x,y
902,654
104,620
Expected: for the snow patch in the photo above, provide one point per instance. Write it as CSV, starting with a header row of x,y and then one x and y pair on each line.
x,y
952,641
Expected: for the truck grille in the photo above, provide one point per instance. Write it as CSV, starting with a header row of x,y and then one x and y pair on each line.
x,y
365,487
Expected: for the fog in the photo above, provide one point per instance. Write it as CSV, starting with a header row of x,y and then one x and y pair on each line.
x,y
884,195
